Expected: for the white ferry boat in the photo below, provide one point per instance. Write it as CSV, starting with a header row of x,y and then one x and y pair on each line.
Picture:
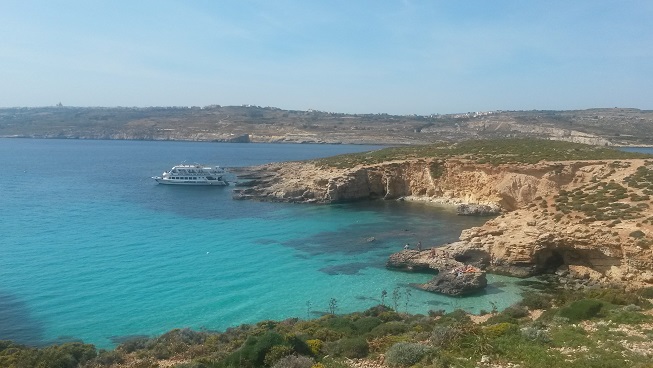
x,y
193,174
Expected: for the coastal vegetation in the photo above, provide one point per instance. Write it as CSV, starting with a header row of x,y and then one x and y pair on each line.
x,y
495,152
549,327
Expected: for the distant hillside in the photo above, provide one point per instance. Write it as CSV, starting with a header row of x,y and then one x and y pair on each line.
x,y
613,126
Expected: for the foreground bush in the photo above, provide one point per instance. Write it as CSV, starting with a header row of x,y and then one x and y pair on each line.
x,y
355,347
581,310
405,354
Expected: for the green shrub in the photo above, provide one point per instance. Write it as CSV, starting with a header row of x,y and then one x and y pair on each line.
x,y
254,350
294,361
624,316
329,362
405,354
69,355
109,357
355,347
191,365
366,324
581,310
516,311
647,292
499,329
533,300
389,328
535,334
131,345
437,169
276,353
327,334
618,297
444,336
342,325
455,317
314,345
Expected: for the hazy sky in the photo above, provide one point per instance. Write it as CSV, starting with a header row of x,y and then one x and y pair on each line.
x,y
398,57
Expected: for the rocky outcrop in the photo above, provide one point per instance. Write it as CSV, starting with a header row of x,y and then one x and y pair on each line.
x,y
453,277
456,284
556,216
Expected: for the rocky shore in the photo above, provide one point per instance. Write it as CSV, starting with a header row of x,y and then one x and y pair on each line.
x,y
585,219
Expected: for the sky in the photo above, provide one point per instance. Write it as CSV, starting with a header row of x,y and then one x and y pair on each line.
x,y
350,56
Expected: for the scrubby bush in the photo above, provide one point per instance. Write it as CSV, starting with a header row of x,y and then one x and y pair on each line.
x,y
443,336
366,324
535,334
327,334
355,347
342,325
458,316
390,328
110,357
294,361
329,362
532,300
618,297
191,365
254,350
315,345
581,310
405,354
276,353
131,345
174,342
499,329
646,292
628,316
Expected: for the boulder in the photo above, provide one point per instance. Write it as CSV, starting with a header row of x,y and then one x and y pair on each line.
x,y
456,283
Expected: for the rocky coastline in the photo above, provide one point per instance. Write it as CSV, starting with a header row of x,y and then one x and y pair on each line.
x,y
584,220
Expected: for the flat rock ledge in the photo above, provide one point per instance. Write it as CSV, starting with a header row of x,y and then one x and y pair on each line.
x,y
453,277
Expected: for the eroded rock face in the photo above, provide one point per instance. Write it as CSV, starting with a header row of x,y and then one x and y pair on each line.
x,y
545,225
488,188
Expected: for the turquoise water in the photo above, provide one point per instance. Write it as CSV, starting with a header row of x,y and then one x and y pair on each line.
x,y
95,250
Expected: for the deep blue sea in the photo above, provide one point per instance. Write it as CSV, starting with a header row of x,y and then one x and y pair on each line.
x,y
93,249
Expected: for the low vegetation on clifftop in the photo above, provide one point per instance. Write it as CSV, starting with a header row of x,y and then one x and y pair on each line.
x,y
496,151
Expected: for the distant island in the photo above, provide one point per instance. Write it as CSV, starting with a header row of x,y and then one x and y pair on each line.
x,y
601,126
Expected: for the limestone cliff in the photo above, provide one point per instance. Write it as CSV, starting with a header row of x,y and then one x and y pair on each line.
x,y
448,181
590,220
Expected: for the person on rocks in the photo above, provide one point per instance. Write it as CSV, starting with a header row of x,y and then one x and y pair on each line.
x,y
419,246
407,246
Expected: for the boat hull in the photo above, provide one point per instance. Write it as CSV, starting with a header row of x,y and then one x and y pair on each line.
x,y
218,183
